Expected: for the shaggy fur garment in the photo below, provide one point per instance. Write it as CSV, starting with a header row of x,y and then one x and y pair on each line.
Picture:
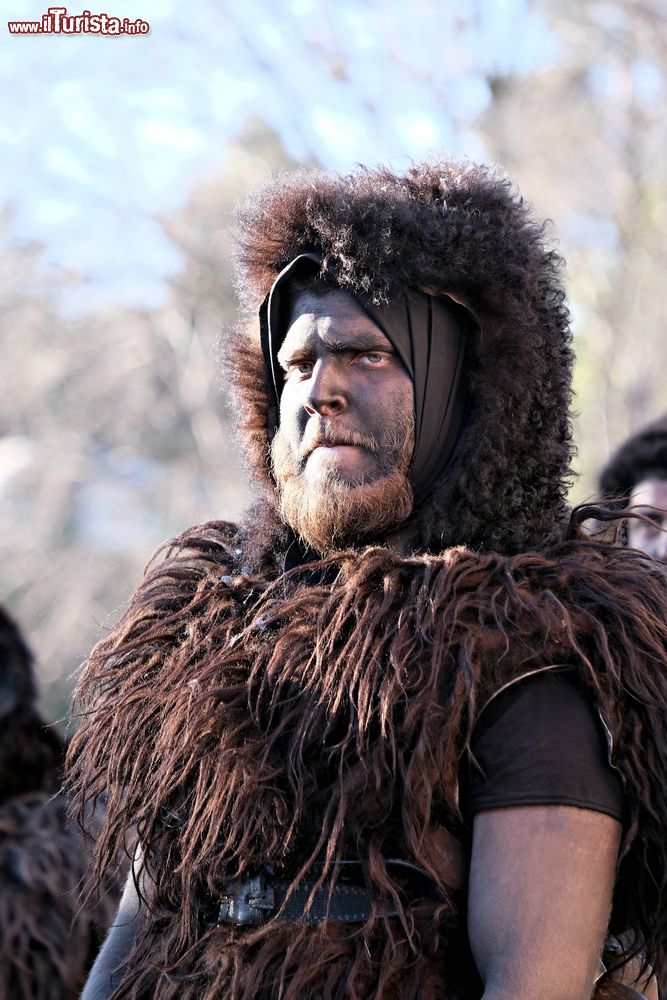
x,y
240,716
47,940
287,723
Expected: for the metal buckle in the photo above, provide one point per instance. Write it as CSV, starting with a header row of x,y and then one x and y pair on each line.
x,y
252,903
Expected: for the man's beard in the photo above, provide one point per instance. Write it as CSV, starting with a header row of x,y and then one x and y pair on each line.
x,y
328,511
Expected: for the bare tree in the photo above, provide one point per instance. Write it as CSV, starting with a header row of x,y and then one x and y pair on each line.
x,y
115,432
586,138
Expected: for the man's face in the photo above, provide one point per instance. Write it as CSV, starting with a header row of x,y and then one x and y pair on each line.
x,y
650,498
346,433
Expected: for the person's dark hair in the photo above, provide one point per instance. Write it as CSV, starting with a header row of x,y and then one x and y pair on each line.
x,y
642,456
31,753
16,673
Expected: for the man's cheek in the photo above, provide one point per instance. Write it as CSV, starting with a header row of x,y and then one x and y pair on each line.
x,y
282,459
289,426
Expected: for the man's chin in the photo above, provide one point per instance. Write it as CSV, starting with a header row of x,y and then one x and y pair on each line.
x,y
345,464
336,479
328,512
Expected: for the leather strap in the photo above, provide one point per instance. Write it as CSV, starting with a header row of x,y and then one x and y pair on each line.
x,y
623,969
264,897
611,990
259,899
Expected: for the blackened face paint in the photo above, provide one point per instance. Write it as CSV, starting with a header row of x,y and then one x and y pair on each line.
x,y
428,334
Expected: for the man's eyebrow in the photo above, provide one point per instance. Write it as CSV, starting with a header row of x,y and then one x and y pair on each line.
x,y
357,339
353,341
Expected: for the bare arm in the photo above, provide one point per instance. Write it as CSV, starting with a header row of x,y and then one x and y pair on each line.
x,y
541,883
107,970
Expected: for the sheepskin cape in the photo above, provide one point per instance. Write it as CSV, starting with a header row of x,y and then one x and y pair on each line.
x,y
48,941
244,714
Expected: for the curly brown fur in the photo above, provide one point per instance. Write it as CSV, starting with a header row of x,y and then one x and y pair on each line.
x,y
444,227
47,942
640,457
295,723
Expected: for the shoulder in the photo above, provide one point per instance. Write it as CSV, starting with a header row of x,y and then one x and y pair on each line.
x,y
186,583
601,610
600,605
212,547
199,574
182,567
541,742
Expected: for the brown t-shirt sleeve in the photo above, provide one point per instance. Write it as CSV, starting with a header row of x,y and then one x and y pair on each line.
x,y
541,742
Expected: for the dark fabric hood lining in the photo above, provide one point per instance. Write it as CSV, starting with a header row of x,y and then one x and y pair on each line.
x,y
427,332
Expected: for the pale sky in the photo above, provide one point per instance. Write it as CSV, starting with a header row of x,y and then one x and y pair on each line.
x,y
101,135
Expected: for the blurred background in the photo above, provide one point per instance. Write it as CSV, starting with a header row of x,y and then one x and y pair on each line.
x,y
121,160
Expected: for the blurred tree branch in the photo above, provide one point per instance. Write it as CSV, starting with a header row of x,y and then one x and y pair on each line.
x,y
114,429
586,140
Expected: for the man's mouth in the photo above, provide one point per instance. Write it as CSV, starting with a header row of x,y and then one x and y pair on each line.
x,y
329,447
350,462
337,444
335,447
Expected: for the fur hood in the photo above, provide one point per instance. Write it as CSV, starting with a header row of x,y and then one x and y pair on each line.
x,y
443,228
640,456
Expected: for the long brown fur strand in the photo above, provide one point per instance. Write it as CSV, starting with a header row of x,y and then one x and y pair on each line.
x,y
233,721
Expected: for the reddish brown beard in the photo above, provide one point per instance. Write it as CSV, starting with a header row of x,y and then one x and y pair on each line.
x,y
329,512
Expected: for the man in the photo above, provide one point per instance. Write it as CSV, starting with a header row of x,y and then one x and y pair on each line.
x,y
47,941
637,474
390,737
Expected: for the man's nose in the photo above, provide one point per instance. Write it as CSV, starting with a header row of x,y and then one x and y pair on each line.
x,y
326,390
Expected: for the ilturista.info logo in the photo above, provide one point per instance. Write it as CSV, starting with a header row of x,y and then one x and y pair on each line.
x,y
56,21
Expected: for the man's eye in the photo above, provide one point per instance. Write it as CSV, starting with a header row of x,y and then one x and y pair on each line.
x,y
300,367
374,357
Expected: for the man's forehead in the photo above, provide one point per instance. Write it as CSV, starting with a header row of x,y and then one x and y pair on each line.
x,y
329,302
334,317
651,492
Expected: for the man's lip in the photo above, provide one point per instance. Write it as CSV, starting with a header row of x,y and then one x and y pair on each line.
x,y
333,444
336,444
333,451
